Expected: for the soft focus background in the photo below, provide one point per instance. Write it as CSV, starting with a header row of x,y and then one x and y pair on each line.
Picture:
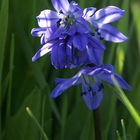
x,y
26,84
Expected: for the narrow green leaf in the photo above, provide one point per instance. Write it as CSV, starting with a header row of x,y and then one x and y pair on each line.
x,y
124,129
36,122
122,47
121,95
11,66
3,33
64,117
136,14
118,135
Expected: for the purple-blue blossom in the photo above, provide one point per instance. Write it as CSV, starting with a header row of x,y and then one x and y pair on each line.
x,y
72,38
91,79
71,51
68,18
100,20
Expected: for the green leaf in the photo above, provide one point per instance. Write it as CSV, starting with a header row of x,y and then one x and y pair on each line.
x,y
36,122
121,95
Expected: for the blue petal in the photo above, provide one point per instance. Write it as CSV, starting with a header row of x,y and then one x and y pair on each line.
x,y
38,31
43,40
71,57
93,71
49,34
94,54
122,82
95,49
63,85
44,50
88,12
93,98
47,18
75,9
104,72
58,56
69,51
107,15
59,80
79,26
110,33
82,26
58,32
80,41
60,5
94,41
80,57
75,57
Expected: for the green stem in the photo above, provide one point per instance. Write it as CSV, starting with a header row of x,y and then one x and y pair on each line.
x,y
43,110
126,102
97,125
130,108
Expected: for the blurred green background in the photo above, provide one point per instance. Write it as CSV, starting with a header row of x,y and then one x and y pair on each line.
x,y
26,84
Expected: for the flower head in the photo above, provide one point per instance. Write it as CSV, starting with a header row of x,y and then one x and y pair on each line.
x,y
91,79
71,51
100,21
67,19
67,36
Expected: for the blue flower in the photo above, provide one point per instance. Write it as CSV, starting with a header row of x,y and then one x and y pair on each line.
x,y
100,21
68,19
91,79
71,51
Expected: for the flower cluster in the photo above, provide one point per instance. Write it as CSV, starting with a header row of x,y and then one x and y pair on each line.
x,y
72,37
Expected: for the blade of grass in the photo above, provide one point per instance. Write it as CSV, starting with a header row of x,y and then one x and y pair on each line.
x,y
136,12
43,102
36,122
108,117
118,135
11,66
121,95
124,129
64,116
135,6
121,49
3,34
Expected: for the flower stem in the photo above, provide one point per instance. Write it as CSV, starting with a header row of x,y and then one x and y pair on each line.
x,y
96,118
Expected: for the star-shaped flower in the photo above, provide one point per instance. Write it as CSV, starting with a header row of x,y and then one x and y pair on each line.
x,y
67,19
91,79
100,20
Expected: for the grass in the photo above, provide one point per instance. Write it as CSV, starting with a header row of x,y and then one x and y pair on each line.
x,y
26,84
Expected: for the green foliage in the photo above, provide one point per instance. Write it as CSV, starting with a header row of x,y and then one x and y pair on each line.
x,y
26,84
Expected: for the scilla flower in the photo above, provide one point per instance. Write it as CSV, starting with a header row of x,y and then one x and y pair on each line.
x,y
68,19
91,79
100,21
72,51
72,38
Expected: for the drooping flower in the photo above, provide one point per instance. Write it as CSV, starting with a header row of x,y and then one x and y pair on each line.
x,y
100,20
91,79
71,51
67,36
